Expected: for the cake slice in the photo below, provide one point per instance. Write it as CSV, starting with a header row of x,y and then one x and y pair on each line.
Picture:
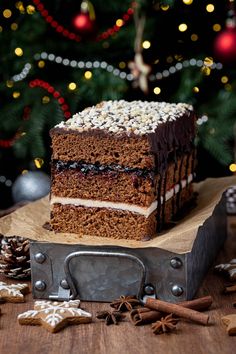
x,y
122,169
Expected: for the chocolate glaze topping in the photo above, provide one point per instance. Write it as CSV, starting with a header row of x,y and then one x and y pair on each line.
x,y
169,127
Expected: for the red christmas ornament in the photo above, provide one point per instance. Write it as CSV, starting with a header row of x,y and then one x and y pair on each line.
x,y
225,42
225,45
84,22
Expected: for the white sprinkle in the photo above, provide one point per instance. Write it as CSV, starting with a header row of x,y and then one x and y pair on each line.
x,y
138,117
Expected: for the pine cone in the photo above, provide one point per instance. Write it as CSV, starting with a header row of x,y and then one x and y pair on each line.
x,y
14,257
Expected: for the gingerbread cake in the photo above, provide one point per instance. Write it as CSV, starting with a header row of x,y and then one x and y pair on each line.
x,y
122,169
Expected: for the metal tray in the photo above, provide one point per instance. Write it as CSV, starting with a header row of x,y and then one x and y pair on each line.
x,y
103,273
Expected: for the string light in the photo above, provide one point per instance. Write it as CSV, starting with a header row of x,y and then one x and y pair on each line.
x,y
19,5
72,86
232,167
111,69
122,65
210,7
194,37
228,87
196,89
119,22
187,2
88,75
146,44
208,61
224,79
22,74
202,120
7,13
216,27
185,64
41,64
18,51
9,83
16,94
30,9
157,90
85,64
183,27
7,182
45,99
14,26
165,7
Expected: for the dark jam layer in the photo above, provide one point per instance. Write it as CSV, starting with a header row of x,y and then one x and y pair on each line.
x,y
96,168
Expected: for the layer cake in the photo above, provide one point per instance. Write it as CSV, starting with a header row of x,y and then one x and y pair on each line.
x,y
122,169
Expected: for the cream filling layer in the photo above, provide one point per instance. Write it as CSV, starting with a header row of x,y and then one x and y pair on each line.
x,y
145,211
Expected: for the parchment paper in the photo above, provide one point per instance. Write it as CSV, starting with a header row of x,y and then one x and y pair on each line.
x,y
28,221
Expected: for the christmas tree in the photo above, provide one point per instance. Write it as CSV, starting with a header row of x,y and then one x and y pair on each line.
x,y
60,56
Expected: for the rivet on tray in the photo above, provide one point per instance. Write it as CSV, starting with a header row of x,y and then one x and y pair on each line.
x,y
149,289
64,284
176,263
39,257
40,285
177,290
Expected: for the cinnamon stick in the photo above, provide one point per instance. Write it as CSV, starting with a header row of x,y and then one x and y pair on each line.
x,y
144,315
230,289
178,310
200,304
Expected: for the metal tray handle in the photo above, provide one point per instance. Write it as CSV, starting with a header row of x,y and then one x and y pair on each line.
x,y
101,254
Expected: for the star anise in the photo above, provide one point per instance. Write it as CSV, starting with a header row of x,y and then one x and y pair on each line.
x,y
110,317
125,303
165,324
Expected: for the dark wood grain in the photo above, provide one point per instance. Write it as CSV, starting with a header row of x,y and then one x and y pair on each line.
x,y
125,337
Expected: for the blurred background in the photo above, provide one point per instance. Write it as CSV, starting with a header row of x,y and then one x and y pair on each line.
x,y
57,57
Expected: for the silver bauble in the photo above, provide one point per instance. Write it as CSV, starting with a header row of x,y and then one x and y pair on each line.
x,y
30,186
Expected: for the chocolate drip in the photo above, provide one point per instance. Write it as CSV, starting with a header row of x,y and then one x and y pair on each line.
x,y
158,215
164,201
174,182
178,134
177,205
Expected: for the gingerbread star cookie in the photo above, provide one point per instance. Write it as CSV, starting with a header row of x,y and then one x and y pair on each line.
x,y
54,316
13,292
230,322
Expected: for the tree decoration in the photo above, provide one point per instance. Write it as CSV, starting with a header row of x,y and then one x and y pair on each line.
x,y
56,94
139,69
119,24
75,37
54,24
225,42
7,143
31,186
84,22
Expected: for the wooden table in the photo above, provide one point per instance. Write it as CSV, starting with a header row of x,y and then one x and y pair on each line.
x,y
124,338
